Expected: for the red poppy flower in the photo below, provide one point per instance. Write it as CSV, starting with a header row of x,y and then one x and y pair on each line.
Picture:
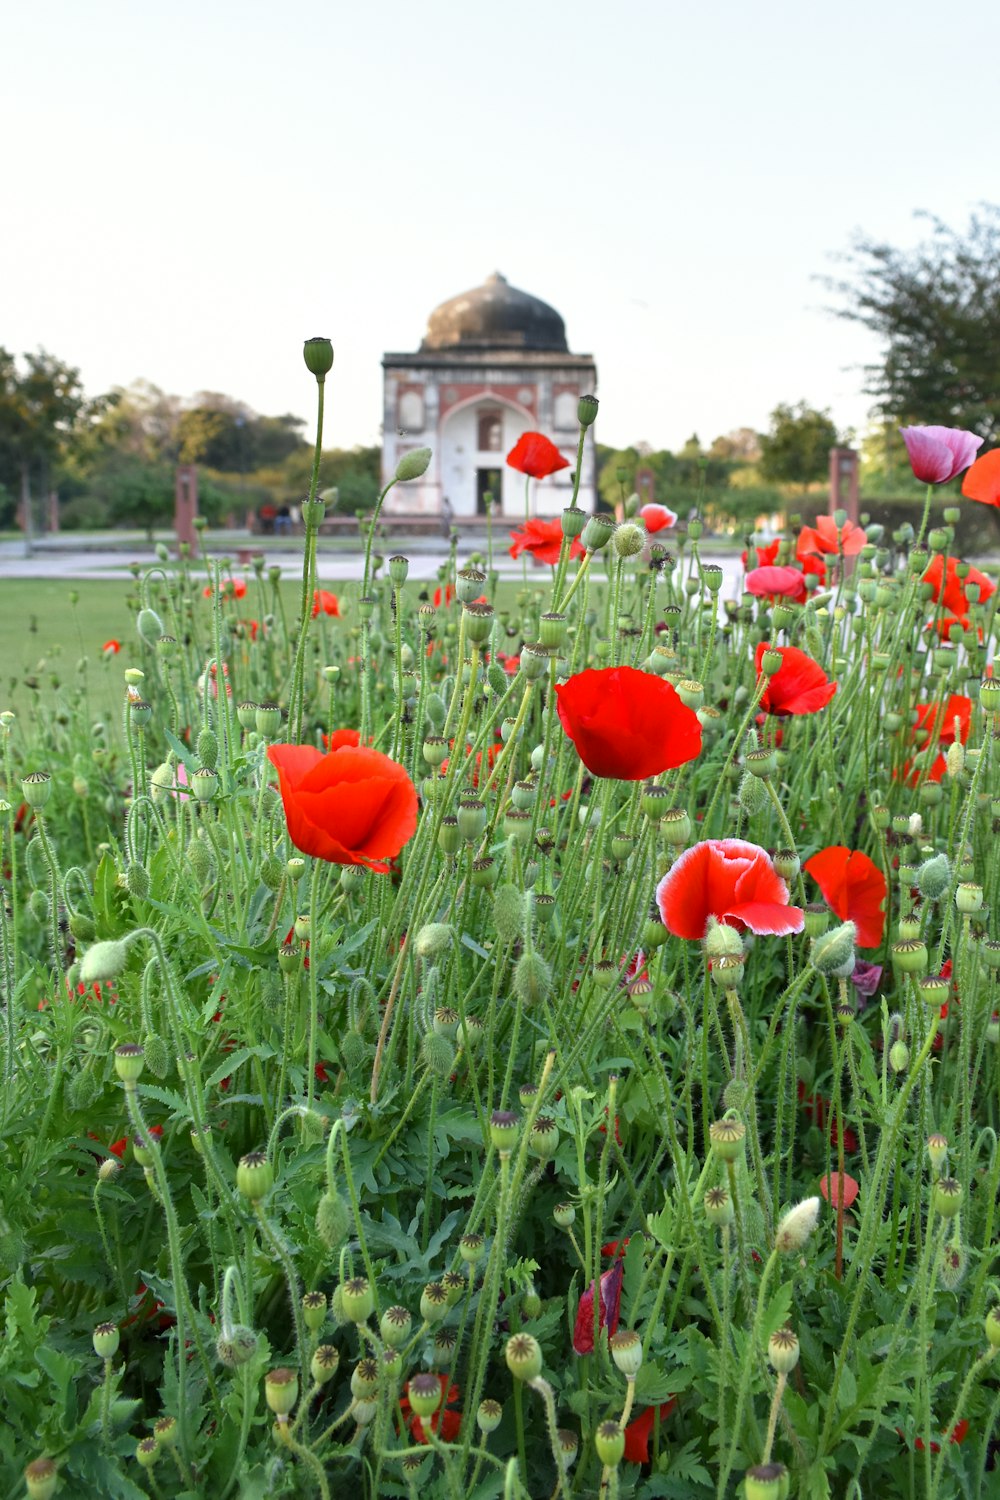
x,y
958,707
543,541
657,517
938,454
957,1435
627,724
826,537
730,880
118,1148
353,806
510,664
533,454
982,482
338,738
608,1311
950,590
766,555
854,888
229,588
111,648
837,1189
800,686
445,1423
444,596
639,1431
778,583
325,603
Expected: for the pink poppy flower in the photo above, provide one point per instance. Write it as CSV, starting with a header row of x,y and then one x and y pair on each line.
x,y
777,583
937,454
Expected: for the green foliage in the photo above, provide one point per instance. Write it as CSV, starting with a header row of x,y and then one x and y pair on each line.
x,y
796,450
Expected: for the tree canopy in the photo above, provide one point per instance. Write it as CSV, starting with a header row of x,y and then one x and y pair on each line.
x,y
936,311
797,448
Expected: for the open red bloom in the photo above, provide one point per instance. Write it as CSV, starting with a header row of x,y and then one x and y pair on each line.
x,y
445,1423
608,1311
325,603
950,590
777,583
535,455
353,806
111,648
837,1189
657,517
982,482
639,1431
626,723
826,537
444,595
730,880
543,541
800,686
926,728
854,888
957,1435
338,738
229,588
766,555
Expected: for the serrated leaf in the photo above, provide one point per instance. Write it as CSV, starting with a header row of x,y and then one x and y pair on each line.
x,y
777,1312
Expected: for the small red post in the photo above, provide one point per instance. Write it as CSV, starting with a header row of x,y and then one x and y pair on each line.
x,y
844,482
186,505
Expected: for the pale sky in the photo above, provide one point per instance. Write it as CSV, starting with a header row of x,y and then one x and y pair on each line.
x,y
190,189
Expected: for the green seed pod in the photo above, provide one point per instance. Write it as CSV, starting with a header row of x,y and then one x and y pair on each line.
x,y
783,1351
433,1302
718,1207
763,1482
626,1351
523,1354
543,1139
394,1326
314,1310
254,1176
41,1478
281,1391
425,1393
727,1138
324,1363
488,1416
609,1440
947,1197
129,1061
357,1299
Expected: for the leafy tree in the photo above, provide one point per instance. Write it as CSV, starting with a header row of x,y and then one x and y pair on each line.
x,y
936,312
741,446
797,448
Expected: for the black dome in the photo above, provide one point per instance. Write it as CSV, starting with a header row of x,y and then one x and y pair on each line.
x,y
495,316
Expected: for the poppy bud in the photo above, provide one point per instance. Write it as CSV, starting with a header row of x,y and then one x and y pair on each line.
x,y
933,877
41,1478
314,1309
626,1351
947,1197
433,939
438,1054
36,788
628,539
726,1138
609,1440
899,1057
783,1351
833,952
586,410
597,532
433,1302
413,465
523,1354
102,962
318,355
573,520
488,1416
719,1207
281,1391
532,979
797,1225
722,941
235,1349
751,794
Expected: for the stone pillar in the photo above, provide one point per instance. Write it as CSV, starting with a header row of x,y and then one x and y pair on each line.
x,y
844,482
54,512
186,505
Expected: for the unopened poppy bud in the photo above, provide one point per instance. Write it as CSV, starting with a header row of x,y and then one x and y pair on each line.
x,y
357,1299
106,1340
722,941
543,1138
36,788
41,1478
254,1176
394,1326
532,979
969,898
751,794
933,877
628,539
413,465
488,1416
937,1150
947,1197
564,1215
438,1054
991,1327
910,956
237,1348
109,1168
833,952
314,1309
433,1302
597,532
102,962
719,1207
783,1351
609,1440
433,939
318,355
523,1354
281,1391
797,1225
899,1057
763,1482
726,1138
130,1060
626,1351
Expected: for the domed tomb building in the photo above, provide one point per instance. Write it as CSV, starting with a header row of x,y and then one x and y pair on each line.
x,y
493,363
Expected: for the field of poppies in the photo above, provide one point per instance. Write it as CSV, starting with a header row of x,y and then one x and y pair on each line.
x,y
548,1051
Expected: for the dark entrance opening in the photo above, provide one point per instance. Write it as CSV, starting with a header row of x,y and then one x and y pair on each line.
x,y
488,481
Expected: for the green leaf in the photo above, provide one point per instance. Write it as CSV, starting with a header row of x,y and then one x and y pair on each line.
x,y
777,1312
